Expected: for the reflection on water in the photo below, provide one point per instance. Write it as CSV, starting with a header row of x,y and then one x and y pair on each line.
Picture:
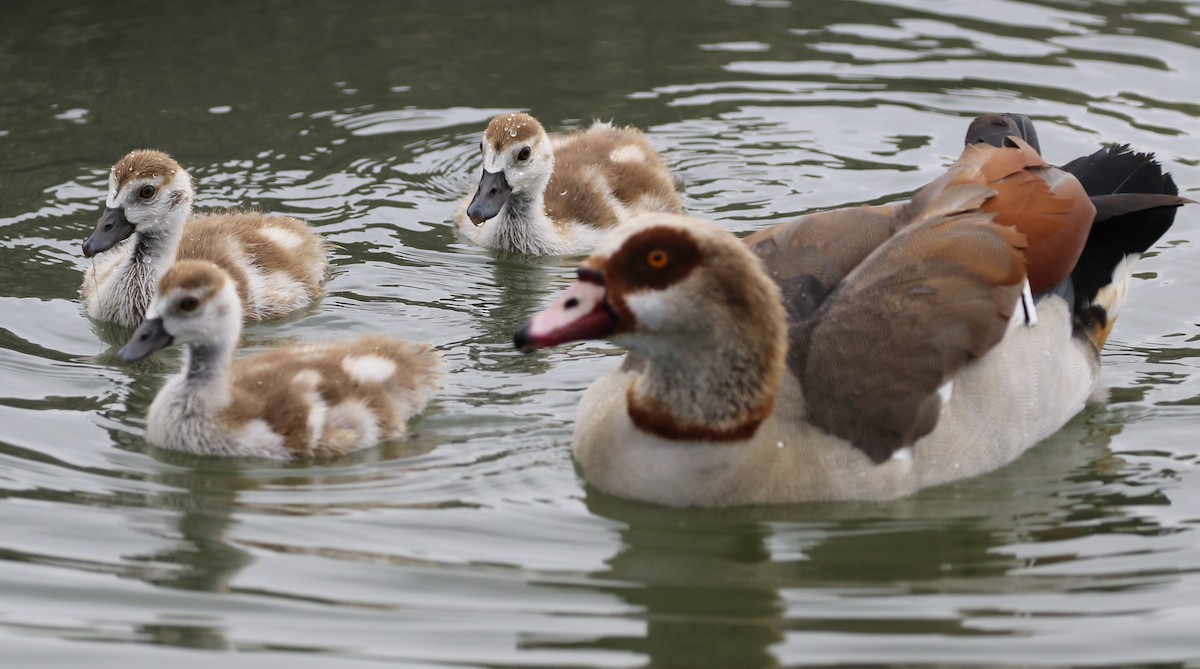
x,y
723,589
474,542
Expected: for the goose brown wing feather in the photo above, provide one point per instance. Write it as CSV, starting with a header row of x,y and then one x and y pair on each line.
x,y
886,304
807,257
1046,204
903,323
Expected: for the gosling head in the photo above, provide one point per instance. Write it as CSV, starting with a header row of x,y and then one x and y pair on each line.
x,y
517,160
196,304
147,192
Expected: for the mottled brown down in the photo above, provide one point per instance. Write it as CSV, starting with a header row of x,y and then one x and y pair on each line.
x,y
271,386
574,194
221,238
507,129
144,164
190,276
277,263
588,170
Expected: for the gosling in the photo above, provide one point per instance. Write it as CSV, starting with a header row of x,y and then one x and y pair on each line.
x,y
546,194
277,263
316,400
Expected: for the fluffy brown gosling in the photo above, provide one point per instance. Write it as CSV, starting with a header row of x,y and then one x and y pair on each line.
x,y
312,400
543,194
276,263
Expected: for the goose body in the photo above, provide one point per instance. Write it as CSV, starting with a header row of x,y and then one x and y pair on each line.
x,y
544,194
312,400
862,353
277,263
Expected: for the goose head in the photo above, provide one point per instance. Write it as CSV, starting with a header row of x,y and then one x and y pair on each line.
x,y
148,192
696,310
196,305
661,281
517,162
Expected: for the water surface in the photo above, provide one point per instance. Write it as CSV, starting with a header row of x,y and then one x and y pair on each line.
x,y
475,543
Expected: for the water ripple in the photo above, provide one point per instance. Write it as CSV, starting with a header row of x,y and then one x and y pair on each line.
x,y
474,542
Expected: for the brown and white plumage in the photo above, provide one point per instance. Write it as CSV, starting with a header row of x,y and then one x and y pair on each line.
x,y
861,353
546,194
277,262
311,400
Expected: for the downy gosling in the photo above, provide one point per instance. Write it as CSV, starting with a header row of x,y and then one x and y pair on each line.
x,y
546,194
309,401
277,263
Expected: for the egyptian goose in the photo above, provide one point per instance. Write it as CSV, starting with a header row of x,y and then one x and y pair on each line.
x,y
546,194
861,353
313,400
277,262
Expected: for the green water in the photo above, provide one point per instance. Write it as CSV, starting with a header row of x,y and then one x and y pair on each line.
x,y
475,543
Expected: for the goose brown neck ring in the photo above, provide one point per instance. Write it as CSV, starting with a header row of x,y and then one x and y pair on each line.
x,y
717,387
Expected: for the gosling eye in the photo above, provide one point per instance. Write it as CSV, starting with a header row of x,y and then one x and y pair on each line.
x,y
146,192
189,303
524,154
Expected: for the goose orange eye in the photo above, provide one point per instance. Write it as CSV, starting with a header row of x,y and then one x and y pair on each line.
x,y
657,259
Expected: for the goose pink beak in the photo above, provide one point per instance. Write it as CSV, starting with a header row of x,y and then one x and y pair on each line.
x,y
581,313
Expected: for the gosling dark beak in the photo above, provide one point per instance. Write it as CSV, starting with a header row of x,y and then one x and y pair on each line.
x,y
148,338
110,229
491,197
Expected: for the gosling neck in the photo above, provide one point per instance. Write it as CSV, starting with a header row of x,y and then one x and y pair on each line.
x,y
524,227
158,244
206,364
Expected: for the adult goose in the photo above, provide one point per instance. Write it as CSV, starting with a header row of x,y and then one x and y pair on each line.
x,y
276,263
544,194
861,353
307,401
